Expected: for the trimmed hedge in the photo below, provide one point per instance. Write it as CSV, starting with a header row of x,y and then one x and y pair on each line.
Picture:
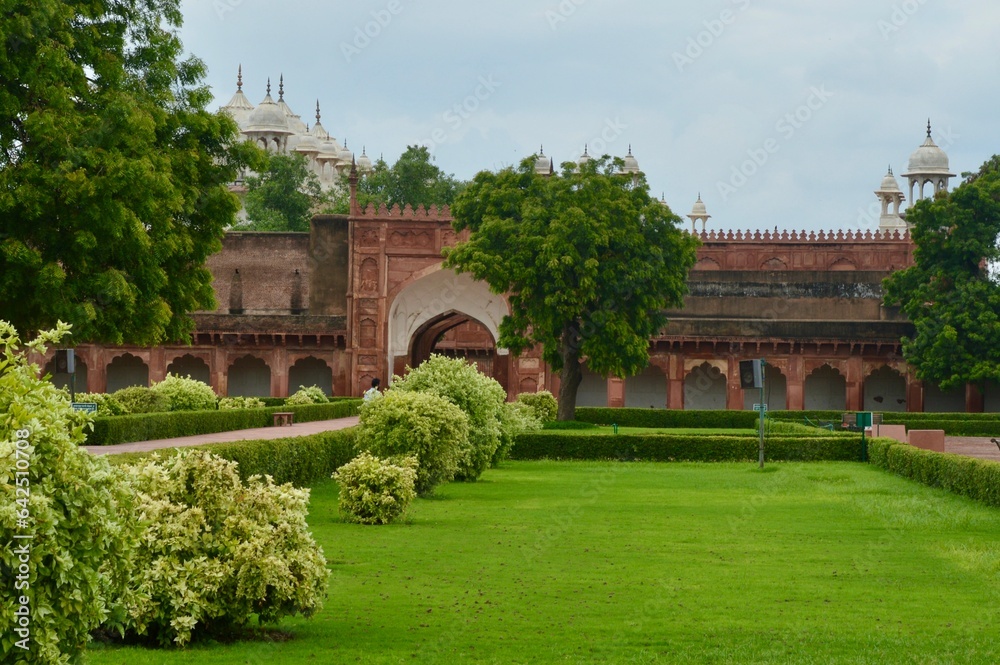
x,y
974,478
660,418
683,448
300,460
151,426
953,424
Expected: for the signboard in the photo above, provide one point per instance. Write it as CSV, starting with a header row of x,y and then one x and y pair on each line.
x,y
88,407
756,407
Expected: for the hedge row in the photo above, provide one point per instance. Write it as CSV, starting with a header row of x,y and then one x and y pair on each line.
x,y
151,426
300,460
629,417
670,448
975,478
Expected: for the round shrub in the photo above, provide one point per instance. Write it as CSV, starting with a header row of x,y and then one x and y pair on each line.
x,y
76,508
426,426
376,491
479,396
139,399
186,394
515,417
215,552
543,403
310,395
107,405
229,403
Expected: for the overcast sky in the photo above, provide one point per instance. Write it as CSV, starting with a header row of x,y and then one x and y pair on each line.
x,y
814,100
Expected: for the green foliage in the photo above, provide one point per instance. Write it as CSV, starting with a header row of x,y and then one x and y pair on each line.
x,y
682,448
543,403
216,551
630,417
283,196
412,180
310,395
974,478
113,175
949,294
421,424
107,405
479,396
376,491
567,425
76,510
515,418
186,394
140,399
588,259
146,427
241,403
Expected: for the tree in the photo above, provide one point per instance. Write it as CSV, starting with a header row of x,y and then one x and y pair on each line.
x,y
949,293
113,176
413,180
588,260
283,196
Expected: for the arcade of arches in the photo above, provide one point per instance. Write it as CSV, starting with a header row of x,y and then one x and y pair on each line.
x,y
364,295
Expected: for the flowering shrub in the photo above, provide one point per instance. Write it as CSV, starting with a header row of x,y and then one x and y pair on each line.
x,y
408,423
479,396
376,491
59,584
515,418
107,405
543,403
186,394
139,399
310,395
241,403
215,551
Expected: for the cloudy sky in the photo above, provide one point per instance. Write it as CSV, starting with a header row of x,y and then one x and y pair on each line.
x,y
781,113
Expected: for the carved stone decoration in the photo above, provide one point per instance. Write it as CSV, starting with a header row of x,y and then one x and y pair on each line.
x,y
368,361
368,306
367,337
368,276
369,238
449,238
408,239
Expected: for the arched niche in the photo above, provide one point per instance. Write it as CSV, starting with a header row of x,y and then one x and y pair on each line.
x,y
249,376
126,371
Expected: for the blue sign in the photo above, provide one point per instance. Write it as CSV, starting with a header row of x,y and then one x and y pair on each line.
x,y
87,407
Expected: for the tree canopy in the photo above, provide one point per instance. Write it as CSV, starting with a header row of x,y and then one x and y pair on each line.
x,y
283,196
588,259
949,294
113,176
414,179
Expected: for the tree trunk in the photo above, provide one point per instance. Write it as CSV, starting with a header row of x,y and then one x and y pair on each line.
x,y
571,375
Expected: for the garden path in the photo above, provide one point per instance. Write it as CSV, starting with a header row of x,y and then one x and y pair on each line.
x,y
972,446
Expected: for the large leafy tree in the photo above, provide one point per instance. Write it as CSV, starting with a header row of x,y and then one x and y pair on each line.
x,y
283,196
413,179
588,259
949,294
113,176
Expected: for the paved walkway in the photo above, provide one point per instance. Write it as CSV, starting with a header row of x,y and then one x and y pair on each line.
x,y
298,429
972,446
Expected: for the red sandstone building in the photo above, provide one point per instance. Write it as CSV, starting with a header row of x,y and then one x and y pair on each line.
x,y
364,295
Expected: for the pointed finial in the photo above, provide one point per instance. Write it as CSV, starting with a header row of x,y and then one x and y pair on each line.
x,y
928,127
890,169
269,86
239,78
541,151
363,148
281,88
585,148
317,110
629,149
699,196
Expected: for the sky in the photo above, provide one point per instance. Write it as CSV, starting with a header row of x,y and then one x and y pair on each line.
x,y
780,114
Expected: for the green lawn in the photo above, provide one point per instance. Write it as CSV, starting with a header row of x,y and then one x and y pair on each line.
x,y
608,430
639,563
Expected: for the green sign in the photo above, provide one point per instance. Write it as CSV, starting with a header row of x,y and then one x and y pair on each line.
x,y
88,407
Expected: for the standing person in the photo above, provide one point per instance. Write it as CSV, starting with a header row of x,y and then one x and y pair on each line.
x,y
372,392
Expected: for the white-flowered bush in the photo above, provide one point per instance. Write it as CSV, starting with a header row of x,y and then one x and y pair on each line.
x,y
374,490
186,394
215,551
107,405
429,427
241,403
66,518
515,417
479,396
543,403
310,395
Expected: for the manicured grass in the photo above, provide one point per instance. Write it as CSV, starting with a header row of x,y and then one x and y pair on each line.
x,y
639,563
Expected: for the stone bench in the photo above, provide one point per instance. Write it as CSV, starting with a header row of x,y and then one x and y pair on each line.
x,y
282,418
928,439
897,432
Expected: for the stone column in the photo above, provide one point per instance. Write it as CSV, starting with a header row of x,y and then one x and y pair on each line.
x,y
974,401
675,382
795,384
734,392
616,392
855,384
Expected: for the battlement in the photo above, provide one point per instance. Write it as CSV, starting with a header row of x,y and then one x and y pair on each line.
x,y
840,236
433,213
